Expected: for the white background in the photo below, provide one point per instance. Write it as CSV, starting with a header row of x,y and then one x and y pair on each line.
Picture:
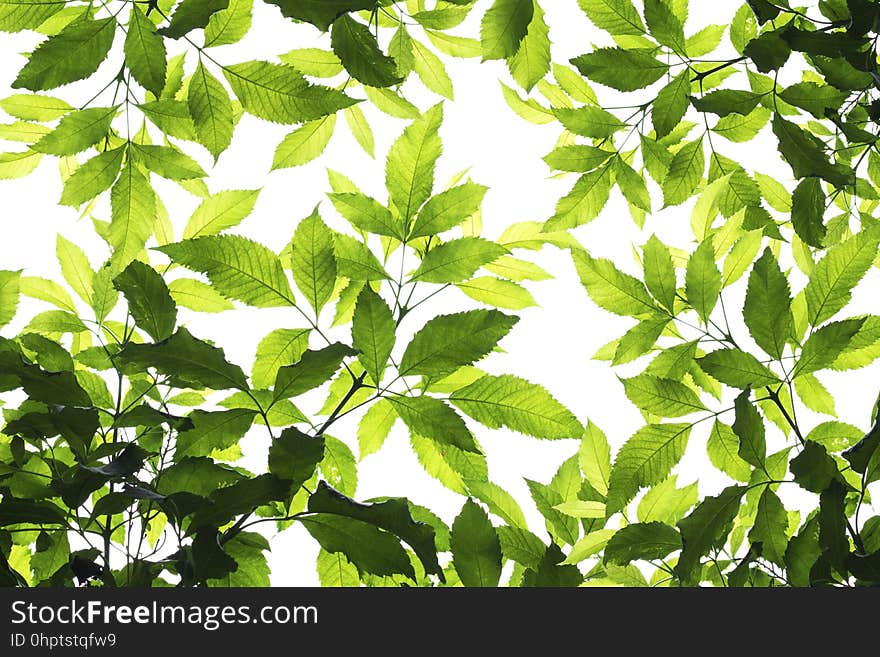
x,y
551,345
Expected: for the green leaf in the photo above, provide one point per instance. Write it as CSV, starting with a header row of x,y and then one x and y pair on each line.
x,y
431,70
149,301
771,523
220,211
520,545
581,509
229,25
723,451
367,214
768,51
394,515
77,131
737,369
305,143
375,426
133,212
237,267
198,296
9,294
612,289
448,342
95,176
373,333
659,272
145,52
73,54
685,173
618,17
279,348
648,540
589,121
192,15
749,428
532,59
824,346
448,209
313,262
663,397
313,369
409,173
457,260
432,418
578,158
359,53
370,549
18,15
666,503
241,497
211,111
280,93
334,570
15,511
813,469
632,185
35,107
767,309
645,459
187,359
512,402
703,280
476,550
246,549
808,211
504,26
664,25
168,162
215,430
834,277
321,13
594,457
805,153
668,109
294,456
725,102
706,529
497,293
355,261
624,70
499,501
586,200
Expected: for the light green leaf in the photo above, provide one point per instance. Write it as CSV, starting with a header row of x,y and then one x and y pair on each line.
x,y
355,261
375,426
457,260
133,212
504,26
723,451
448,209
214,430
666,503
211,111
767,309
618,17
432,418
671,104
703,280
373,333
95,176
409,173
659,272
624,70
367,214
198,296
313,262
229,25
220,211
497,293
612,289
738,369
35,107
476,550
77,131
279,348
145,52
532,60
9,293
685,173
168,162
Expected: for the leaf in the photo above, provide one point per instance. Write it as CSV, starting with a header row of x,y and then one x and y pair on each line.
x,y
217,430
186,359
824,346
409,173
767,309
659,272
168,162
725,102
313,369
457,260
581,509
279,348
645,459
192,15
241,497
373,333
394,515
73,54
246,549
749,428
624,70
355,261
579,158
664,25
294,456
768,51
280,93
512,402
705,529
220,211
21,511
671,104
237,267
149,300
703,280
305,143
813,469
618,17
666,503
375,426
612,289
448,342
649,540
504,26
663,397
229,25
589,121
95,176
133,212
532,60
594,457
737,369
448,209
476,550
321,13
632,185
370,549
432,418
145,52
808,211
831,283
211,111
805,153
359,53
685,173
313,262
431,70
77,131
367,214
9,295
198,296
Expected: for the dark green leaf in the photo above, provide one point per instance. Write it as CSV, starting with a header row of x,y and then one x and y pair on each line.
x,y
649,540
149,301
706,529
476,551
